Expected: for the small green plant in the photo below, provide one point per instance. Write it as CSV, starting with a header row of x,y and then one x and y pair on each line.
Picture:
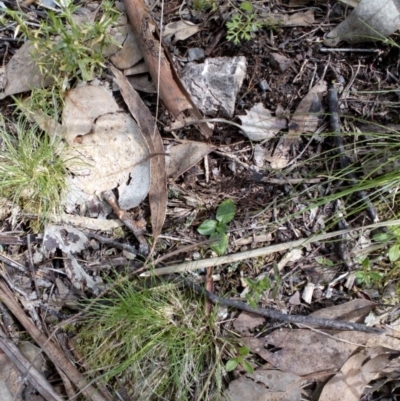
x,y
64,48
33,168
393,235
323,261
243,23
240,360
257,289
158,337
367,275
202,5
217,229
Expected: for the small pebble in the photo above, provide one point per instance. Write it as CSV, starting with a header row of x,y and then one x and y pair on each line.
x,y
264,85
196,54
196,256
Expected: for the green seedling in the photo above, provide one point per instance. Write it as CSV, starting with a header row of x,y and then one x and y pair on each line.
x,y
233,363
243,24
217,229
393,235
367,275
323,261
202,5
257,289
33,168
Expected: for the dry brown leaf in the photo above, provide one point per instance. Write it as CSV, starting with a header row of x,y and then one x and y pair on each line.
x,y
246,322
302,352
308,112
158,185
130,53
297,19
305,119
180,30
265,385
94,124
305,352
186,155
83,105
355,374
142,83
22,73
258,123
352,311
370,21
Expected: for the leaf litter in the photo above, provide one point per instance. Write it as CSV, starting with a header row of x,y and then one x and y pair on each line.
x,y
285,359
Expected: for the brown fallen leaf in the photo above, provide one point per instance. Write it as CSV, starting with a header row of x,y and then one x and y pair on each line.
x,y
305,352
180,30
259,124
360,369
265,385
22,73
158,185
297,19
352,311
305,119
93,123
185,156
370,21
172,92
246,322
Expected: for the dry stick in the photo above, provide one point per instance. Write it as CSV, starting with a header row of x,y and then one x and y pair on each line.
x,y
344,160
309,320
127,220
54,353
255,253
23,365
116,244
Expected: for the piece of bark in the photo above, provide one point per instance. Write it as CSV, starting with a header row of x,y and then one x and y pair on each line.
x,y
172,92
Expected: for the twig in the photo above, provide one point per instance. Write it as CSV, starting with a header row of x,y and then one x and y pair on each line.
x,y
255,253
116,244
344,160
32,266
127,220
309,320
55,354
29,372
12,264
348,50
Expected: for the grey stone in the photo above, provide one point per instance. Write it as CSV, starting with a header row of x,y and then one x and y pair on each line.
x,y
215,84
264,86
196,54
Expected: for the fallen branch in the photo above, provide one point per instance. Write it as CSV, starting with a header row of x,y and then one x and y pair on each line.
x,y
273,314
54,353
255,253
27,370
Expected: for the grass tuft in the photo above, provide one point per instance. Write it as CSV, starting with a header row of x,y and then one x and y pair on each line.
x,y
157,343
33,168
